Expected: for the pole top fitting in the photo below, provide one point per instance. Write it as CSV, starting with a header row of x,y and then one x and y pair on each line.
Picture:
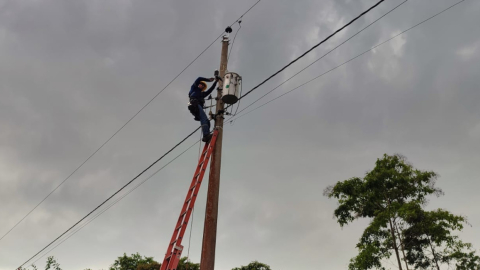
x,y
228,29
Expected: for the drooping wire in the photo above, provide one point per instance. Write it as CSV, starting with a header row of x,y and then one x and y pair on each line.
x,y
193,209
241,89
351,59
190,236
228,58
116,132
151,165
233,42
211,105
323,56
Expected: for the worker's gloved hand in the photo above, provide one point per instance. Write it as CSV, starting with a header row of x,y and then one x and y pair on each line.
x,y
212,79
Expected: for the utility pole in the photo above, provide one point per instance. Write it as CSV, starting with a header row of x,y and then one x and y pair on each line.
x,y
207,261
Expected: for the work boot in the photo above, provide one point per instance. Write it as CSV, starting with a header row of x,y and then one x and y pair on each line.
x,y
207,138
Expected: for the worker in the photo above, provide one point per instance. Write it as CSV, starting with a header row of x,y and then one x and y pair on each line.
x,y
197,95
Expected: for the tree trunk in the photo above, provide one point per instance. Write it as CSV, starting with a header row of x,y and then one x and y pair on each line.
x,y
403,251
395,244
401,245
433,252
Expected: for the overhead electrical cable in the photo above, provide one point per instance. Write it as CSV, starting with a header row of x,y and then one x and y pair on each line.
x,y
337,31
350,60
311,49
114,134
116,201
323,56
376,46
100,205
234,37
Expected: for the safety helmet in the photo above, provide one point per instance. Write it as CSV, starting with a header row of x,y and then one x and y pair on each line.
x,y
204,85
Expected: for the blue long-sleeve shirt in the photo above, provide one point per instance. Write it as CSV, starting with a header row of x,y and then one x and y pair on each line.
x,y
197,93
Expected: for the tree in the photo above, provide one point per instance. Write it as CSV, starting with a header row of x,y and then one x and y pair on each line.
x,y
255,265
393,196
185,264
131,262
51,264
380,195
137,262
149,266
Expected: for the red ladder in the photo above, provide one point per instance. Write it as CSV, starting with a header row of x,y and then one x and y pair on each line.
x,y
174,250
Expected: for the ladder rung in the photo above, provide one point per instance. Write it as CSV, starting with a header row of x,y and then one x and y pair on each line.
x,y
178,228
184,213
196,175
172,244
201,163
187,201
193,187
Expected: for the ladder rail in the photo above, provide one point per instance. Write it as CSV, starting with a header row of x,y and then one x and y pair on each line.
x,y
185,205
174,250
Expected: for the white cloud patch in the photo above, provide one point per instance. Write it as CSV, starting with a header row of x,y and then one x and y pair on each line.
x,y
469,52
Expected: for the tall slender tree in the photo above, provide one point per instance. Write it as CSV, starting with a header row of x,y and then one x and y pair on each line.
x,y
393,184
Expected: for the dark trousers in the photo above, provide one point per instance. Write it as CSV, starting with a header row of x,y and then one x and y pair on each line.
x,y
204,121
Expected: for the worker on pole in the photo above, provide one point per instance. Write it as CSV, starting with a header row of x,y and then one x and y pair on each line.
x,y
197,95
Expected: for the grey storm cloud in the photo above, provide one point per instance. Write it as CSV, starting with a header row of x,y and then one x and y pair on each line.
x,y
73,72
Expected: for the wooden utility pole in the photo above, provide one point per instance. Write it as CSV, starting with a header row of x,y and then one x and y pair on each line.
x,y
207,261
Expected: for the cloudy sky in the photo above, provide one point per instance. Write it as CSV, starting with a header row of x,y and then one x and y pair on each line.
x,y
73,72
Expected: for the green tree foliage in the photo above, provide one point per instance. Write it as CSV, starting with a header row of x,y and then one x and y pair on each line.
x,y
392,196
51,264
131,262
373,246
380,195
255,265
139,262
430,244
149,266
184,264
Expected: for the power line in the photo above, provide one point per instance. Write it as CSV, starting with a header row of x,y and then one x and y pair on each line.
x,y
276,73
323,56
311,49
380,44
151,165
114,134
239,22
233,42
301,56
351,59
228,58
116,201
